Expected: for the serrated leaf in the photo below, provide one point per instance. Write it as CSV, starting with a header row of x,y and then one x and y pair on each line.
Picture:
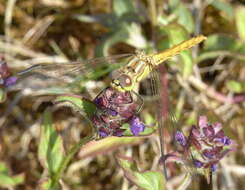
x,y
237,87
7,180
240,22
78,103
148,180
50,149
223,6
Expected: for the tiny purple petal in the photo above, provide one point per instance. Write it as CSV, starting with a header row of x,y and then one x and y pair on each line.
x,y
112,112
214,167
10,81
209,154
227,141
202,121
118,133
103,133
180,138
136,126
197,163
99,102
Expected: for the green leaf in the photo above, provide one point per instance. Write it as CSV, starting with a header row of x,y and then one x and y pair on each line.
x,y
177,34
185,17
127,33
237,87
106,145
121,7
224,7
148,180
2,95
9,181
240,22
107,20
50,149
183,14
223,42
78,103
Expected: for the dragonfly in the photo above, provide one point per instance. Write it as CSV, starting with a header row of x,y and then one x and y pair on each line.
x,y
135,68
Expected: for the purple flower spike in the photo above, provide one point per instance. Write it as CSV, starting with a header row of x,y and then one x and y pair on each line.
x,y
10,81
136,126
180,138
205,146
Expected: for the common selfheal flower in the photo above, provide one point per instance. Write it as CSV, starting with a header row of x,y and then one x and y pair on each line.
x,y
203,148
114,109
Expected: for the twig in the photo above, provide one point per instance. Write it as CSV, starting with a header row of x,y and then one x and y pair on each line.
x,y
212,93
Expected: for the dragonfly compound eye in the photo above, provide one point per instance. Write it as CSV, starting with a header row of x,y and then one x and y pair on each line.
x,y
125,81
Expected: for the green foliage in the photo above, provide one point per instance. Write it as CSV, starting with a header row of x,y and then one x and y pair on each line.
x,y
225,7
122,7
2,95
147,180
50,149
237,87
176,34
219,42
123,24
240,22
78,103
184,16
7,181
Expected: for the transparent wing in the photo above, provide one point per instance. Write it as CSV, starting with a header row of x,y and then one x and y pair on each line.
x,y
161,112
50,74
167,121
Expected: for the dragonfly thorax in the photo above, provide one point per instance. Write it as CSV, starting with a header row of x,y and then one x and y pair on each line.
x,y
132,73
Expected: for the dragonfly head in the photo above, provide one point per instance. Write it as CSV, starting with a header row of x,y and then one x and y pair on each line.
x,y
123,83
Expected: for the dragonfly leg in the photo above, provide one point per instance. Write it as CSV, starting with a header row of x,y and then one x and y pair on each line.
x,y
141,101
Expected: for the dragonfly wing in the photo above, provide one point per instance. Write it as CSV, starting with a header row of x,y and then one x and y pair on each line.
x,y
43,75
167,120
160,114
